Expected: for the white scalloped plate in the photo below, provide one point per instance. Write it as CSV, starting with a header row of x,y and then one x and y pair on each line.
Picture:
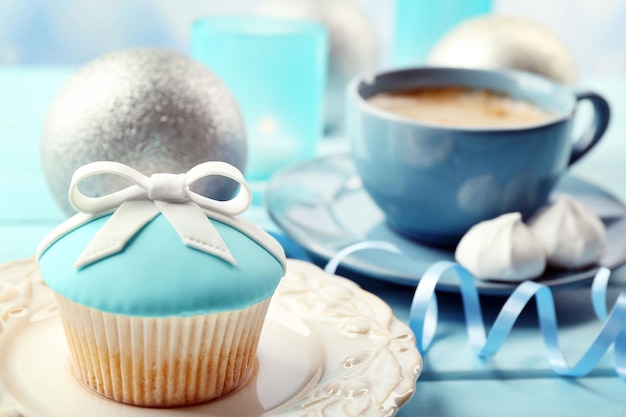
x,y
328,348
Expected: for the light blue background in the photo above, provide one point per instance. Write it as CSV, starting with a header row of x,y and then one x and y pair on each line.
x,y
73,32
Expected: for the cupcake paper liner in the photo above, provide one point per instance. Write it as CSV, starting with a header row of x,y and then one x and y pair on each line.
x,y
162,362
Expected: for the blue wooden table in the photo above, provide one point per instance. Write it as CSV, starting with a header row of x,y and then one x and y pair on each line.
x,y
454,382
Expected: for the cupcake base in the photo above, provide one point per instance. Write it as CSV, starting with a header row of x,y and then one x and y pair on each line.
x,y
162,362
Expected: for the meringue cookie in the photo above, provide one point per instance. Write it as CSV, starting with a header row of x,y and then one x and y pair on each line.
x,y
571,235
502,248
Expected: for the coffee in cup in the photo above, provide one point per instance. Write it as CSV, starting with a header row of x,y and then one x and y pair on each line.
x,y
434,181
459,106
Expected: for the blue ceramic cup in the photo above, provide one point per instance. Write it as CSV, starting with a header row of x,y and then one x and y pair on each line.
x,y
434,182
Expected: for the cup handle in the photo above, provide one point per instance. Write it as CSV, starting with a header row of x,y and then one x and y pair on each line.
x,y
591,136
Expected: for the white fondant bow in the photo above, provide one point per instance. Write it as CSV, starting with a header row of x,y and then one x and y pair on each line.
x,y
141,202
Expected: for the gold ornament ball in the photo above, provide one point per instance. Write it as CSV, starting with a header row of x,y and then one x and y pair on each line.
x,y
495,41
153,109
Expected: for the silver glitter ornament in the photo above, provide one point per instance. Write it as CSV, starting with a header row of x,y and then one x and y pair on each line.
x,y
495,41
152,109
352,44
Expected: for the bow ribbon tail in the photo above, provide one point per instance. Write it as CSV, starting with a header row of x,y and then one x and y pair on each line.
x,y
195,229
125,222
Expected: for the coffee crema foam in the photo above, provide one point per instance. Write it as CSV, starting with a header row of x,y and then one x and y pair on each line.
x,y
460,107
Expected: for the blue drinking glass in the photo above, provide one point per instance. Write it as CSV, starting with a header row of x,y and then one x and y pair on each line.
x,y
276,70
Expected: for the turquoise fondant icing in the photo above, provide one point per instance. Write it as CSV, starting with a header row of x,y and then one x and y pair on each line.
x,y
156,275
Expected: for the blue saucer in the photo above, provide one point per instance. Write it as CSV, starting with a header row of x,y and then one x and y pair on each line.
x,y
322,206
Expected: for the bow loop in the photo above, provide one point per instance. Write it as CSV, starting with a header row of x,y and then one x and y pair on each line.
x,y
169,194
236,205
93,205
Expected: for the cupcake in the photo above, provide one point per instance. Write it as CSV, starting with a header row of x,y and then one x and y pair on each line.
x,y
162,292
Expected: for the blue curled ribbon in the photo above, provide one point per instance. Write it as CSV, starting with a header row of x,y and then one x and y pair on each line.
x,y
423,315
